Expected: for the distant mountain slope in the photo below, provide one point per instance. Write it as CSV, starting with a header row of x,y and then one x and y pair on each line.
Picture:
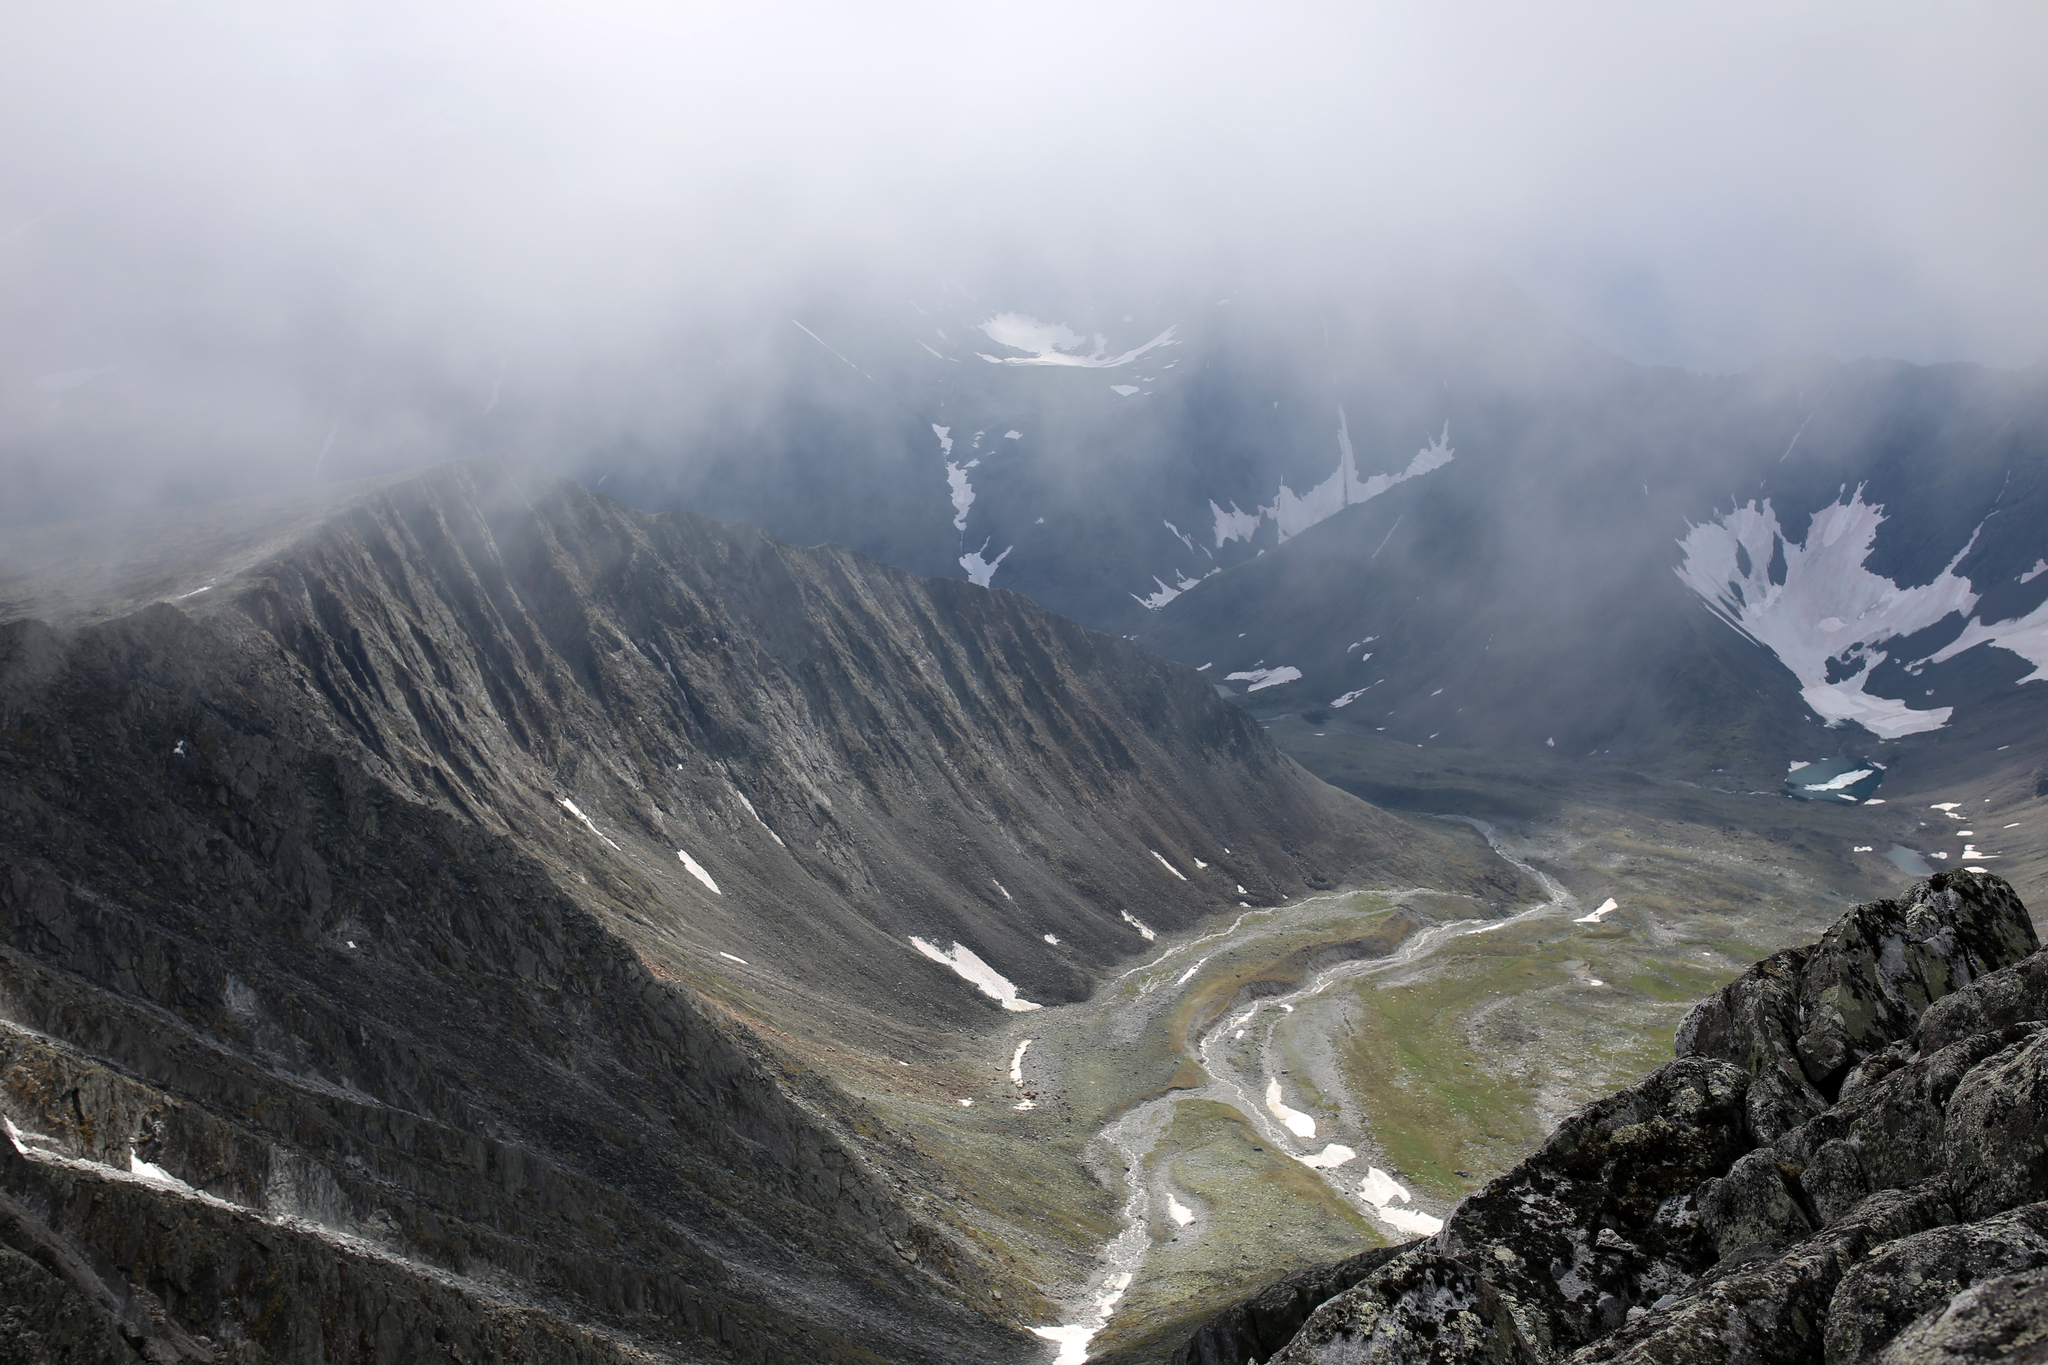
x,y
461,897
1877,531
1562,581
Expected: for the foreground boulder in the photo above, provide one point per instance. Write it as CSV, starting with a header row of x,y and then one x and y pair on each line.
x,y
1847,1161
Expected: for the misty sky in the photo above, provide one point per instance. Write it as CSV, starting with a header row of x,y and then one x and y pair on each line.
x,y
236,236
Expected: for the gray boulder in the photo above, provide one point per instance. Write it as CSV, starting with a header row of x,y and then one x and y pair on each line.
x,y
1997,1130
2005,1319
2017,995
1754,1205
1423,1308
1919,1275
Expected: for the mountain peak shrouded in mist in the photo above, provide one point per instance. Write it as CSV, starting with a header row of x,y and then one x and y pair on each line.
x,y
244,252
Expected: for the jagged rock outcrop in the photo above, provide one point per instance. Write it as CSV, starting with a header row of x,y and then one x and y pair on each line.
x,y
1848,1160
1268,1320
417,943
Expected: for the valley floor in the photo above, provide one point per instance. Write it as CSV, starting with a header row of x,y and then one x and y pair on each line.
x,y
1289,1085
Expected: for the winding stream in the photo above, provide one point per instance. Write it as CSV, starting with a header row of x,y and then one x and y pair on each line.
x,y
1240,1056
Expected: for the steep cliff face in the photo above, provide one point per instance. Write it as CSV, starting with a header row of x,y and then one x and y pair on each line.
x,y
426,942
1849,1158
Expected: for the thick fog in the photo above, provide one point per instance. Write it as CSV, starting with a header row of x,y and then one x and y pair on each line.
x,y
247,247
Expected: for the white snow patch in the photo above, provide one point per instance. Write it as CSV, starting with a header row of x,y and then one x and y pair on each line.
x,y
1054,343
1123,390
1200,863
730,958
962,492
570,806
1053,939
1828,591
153,1173
1180,1213
967,1104
970,968
1350,697
1946,806
1410,1221
1017,1062
1796,764
2040,567
1073,1339
1234,525
980,570
1165,864
1206,667
1331,1157
1013,436
757,816
1240,890
1607,907
696,869
1004,889
2026,636
945,435
1292,513
1154,601
1265,677
1848,779
1298,1123
1380,1190
1139,925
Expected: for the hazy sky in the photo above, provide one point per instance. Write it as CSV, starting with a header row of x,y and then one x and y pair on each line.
x,y
235,235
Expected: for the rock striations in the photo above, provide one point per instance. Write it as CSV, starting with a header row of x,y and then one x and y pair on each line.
x,y
432,938
1847,1161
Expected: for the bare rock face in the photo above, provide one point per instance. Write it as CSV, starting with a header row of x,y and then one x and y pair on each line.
x,y
1801,1020
1261,1325
1846,1162
1422,1309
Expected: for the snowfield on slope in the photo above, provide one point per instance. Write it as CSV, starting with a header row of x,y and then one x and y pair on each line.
x,y
1292,512
966,964
1826,606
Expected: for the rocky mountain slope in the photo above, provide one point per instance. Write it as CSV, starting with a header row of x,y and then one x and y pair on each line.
x,y
1847,1161
468,928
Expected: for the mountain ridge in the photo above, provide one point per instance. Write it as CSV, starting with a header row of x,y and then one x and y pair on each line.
x,y
349,893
